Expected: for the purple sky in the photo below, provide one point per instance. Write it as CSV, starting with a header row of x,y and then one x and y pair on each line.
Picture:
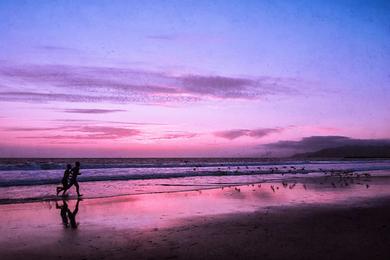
x,y
191,78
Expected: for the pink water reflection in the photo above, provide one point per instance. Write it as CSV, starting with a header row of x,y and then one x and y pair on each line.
x,y
152,211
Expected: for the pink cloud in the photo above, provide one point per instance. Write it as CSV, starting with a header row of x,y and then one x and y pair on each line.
x,y
255,133
120,85
177,136
87,132
92,111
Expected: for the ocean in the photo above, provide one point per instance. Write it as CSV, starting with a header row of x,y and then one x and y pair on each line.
x,y
24,180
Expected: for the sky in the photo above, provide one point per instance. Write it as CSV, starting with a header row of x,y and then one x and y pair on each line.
x,y
191,78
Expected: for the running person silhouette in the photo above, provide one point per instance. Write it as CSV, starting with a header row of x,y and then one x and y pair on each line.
x,y
73,179
65,180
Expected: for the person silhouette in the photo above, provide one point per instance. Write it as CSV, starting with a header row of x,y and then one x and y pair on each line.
x,y
67,215
73,179
65,180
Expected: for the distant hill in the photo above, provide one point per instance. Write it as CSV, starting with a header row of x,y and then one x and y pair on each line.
x,y
349,151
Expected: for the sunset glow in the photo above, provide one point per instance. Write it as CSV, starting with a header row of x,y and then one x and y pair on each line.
x,y
201,78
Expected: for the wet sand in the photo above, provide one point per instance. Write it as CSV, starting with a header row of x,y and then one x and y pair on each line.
x,y
311,220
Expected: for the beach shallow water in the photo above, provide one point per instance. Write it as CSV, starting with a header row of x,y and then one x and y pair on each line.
x,y
36,180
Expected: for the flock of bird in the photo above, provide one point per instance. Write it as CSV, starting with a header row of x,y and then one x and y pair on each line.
x,y
345,177
336,178
253,170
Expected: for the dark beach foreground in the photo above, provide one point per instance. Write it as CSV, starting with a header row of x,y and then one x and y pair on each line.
x,y
308,220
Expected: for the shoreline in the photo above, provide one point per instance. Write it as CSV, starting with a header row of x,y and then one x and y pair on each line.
x,y
123,188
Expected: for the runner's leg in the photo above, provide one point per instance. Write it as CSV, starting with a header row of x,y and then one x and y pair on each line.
x,y
77,188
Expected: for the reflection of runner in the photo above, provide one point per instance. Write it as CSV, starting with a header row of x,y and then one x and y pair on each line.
x,y
64,209
72,215
67,215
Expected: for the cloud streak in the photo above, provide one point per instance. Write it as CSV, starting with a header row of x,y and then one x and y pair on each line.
x,y
164,37
92,111
79,132
88,121
121,85
255,133
55,48
177,136
38,97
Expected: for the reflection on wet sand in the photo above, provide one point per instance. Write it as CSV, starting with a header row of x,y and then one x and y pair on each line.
x,y
165,209
68,216
157,210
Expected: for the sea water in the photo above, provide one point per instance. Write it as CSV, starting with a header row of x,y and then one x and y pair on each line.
x,y
23,180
